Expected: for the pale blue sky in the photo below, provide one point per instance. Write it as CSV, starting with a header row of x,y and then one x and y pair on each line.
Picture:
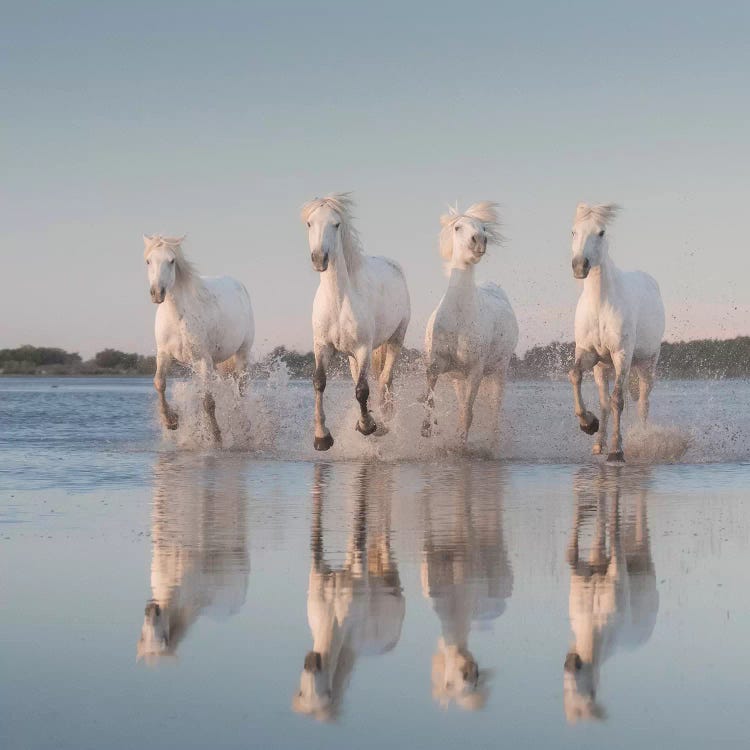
x,y
220,119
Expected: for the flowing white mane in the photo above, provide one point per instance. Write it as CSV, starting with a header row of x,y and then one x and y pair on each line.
x,y
603,214
185,271
484,211
342,204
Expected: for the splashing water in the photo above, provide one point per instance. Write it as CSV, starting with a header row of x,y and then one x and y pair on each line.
x,y
274,418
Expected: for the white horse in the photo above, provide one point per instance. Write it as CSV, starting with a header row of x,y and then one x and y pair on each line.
x,y
361,309
201,321
619,323
200,562
473,332
468,577
353,609
613,597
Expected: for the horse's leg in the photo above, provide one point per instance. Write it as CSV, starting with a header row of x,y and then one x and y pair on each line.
x,y
584,361
206,370
241,360
466,404
601,376
429,399
365,424
646,374
323,439
621,362
392,350
168,415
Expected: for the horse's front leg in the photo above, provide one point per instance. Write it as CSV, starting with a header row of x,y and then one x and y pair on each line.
x,y
429,399
323,439
601,376
168,415
621,362
467,396
206,370
365,424
584,361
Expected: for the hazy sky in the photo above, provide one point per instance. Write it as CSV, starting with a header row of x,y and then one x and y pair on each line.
x,y
220,119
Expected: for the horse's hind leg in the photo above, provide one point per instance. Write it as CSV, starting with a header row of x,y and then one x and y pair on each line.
x,y
365,424
584,361
206,370
646,375
168,415
429,399
466,392
241,362
621,362
323,439
385,380
601,376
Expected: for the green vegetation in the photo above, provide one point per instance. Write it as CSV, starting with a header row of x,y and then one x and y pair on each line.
x,y
706,358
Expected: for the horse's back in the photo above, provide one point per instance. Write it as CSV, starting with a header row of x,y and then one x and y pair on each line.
x,y
234,324
390,305
496,300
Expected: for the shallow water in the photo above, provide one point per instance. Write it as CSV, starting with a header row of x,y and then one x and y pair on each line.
x,y
157,591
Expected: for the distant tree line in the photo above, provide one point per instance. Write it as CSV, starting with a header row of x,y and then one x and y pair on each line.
x,y
704,358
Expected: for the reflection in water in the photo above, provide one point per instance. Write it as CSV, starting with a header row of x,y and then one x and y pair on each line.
x,y
613,596
355,608
200,562
466,574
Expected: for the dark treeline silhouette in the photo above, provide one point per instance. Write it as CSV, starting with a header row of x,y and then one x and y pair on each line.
x,y
704,358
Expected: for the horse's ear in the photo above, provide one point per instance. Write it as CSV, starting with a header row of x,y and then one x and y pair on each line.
x,y
582,211
447,218
147,239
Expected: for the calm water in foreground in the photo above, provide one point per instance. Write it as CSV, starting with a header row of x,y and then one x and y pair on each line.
x,y
159,593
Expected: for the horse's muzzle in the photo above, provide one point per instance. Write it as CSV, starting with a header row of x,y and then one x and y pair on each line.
x,y
320,262
581,267
157,295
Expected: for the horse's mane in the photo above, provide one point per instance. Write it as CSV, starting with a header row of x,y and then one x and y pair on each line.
x,y
484,211
342,204
185,271
603,213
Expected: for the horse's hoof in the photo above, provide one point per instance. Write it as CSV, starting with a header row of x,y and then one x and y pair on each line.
x,y
172,422
616,457
592,427
597,450
368,427
323,443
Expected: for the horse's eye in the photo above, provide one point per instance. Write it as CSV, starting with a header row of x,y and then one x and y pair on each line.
x,y
601,234
336,226
309,225
171,262
573,233
148,262
456,229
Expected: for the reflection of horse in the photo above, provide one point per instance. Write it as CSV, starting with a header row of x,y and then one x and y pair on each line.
x,y
200,560
353,609
467,575
613,596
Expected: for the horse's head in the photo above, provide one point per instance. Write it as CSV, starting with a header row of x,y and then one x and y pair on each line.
x,y
589,242
464,237
456,677
324,218
154,641
162,255
315,696
579,690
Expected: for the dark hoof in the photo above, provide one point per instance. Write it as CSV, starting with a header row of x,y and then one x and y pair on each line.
x,y
591,428
368,428
324,443
616,458
172,422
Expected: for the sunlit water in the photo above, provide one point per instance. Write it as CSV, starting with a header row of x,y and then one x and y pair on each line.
x,y
394,592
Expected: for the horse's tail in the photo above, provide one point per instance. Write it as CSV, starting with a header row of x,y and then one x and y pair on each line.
x,y
378,360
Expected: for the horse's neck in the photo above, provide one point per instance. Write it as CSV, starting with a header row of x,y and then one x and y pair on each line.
x,y
182,294
602,282
336,279
461,294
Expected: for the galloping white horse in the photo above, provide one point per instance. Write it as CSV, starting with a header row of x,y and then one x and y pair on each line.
x,y
200,322
473,332
619,323
353,609
361,308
